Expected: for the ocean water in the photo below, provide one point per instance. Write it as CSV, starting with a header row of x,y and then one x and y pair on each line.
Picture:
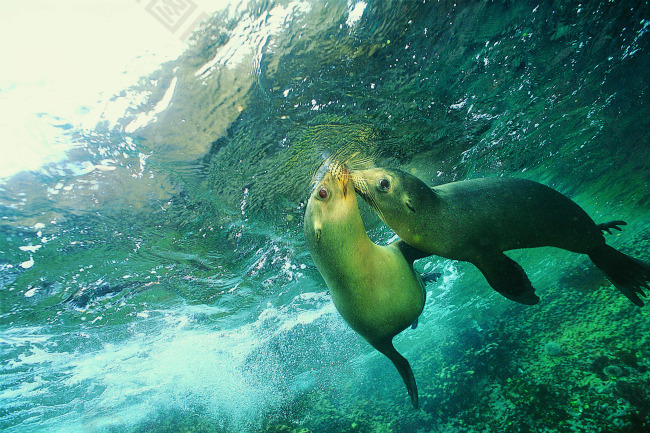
x,y
154,276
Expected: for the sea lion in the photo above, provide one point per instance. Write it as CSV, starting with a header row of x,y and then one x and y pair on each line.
x,y
374,288
477,220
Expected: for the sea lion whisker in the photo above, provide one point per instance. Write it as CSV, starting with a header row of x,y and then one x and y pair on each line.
x,y
359,161
361,185
318,172
338,155
372,201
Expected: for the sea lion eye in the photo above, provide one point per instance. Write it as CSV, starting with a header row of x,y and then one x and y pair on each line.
x,y
323,193
384,184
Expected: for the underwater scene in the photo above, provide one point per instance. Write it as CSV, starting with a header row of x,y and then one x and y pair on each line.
x,y
156,276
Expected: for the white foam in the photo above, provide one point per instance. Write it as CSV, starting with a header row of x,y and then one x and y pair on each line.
x,y
355,13
27,263
31,292
144,119
167,360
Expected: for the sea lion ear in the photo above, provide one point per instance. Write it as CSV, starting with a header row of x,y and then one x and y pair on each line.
x,y
317,230
409,203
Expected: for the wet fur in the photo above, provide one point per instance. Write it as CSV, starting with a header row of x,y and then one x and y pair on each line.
x,y
477,220
374,288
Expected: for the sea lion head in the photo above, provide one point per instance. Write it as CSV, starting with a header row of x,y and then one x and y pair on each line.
x,y
332,205
391,191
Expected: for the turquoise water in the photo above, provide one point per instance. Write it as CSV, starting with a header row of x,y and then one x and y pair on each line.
x,y
156,278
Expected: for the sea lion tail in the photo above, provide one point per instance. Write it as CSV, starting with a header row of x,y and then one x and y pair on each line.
x,y
628,274
404,369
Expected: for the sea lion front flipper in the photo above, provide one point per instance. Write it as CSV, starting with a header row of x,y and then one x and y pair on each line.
x,y
410,253
508,278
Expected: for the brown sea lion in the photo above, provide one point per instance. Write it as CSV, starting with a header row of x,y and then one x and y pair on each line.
x,y
373,287
477,220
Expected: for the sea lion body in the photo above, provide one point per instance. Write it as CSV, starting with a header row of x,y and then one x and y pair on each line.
x,y
477,220
374,288
481,215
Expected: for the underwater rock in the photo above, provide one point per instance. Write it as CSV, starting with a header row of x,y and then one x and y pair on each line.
x,y
612,371
629,358
606,368
553,349
599,364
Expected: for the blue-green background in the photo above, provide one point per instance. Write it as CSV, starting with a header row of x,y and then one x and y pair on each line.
x,y
173,292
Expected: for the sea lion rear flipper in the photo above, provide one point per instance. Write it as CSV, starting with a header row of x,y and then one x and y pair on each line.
x,y
508,278
611,225
403,367
629,275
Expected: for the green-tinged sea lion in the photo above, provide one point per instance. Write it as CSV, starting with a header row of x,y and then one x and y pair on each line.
x,y
373,287
477,220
